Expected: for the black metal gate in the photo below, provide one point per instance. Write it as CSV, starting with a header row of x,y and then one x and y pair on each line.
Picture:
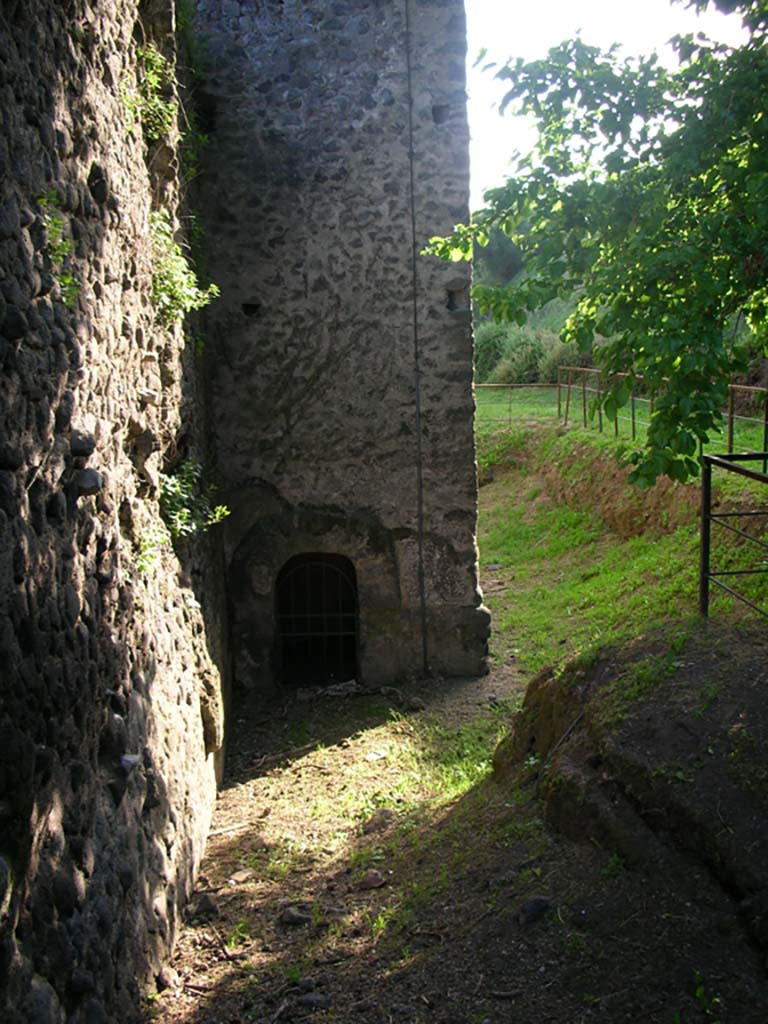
x,y
316,608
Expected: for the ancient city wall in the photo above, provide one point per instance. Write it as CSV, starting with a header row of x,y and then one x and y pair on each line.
x,y
337,415
340,359
110,704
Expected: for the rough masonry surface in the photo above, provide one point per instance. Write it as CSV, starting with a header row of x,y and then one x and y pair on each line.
x,y
110,711
337,413
340,358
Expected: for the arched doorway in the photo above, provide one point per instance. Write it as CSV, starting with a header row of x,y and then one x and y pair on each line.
x,y
316,620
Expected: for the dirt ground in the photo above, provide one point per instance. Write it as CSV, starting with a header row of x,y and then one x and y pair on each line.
x,y
613,867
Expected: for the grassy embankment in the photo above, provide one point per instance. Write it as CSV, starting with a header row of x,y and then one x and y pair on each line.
x,y
559,579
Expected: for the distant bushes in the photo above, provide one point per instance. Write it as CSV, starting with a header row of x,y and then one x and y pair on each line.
x,y
508,354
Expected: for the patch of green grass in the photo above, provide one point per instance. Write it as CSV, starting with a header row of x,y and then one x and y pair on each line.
x,y
275,863
572,583
500,445
503,405
640,678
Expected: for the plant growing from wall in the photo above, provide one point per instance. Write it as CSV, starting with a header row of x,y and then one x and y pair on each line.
x,y
151,541
152,102
186,503
175,289
193,142
59,248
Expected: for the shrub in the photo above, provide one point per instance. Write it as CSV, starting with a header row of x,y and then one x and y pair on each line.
x,y
186,504
519,363
490,339
175,290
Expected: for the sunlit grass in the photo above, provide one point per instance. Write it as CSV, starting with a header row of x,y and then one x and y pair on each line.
x,y
563,582
506,406
509,405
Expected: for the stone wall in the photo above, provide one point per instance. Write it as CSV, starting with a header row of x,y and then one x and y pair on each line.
x,y
340,359
110,701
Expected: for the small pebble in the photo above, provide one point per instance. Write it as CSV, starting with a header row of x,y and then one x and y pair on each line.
x,y
372,879
315,1001
295,917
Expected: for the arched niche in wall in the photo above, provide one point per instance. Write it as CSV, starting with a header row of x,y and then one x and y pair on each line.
x,y
316,620
358,548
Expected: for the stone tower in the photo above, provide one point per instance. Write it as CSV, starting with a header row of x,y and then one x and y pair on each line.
x,y
340,358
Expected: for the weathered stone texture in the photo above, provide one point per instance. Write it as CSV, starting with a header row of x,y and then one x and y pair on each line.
x,y
340,359
109,699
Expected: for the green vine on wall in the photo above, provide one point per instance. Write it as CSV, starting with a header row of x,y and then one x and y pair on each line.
x,y
186,503
175,289
59,248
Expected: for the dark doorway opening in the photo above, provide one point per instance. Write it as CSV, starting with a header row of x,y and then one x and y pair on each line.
x,y
316,606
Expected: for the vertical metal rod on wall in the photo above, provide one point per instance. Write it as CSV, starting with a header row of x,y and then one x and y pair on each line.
x,y
706,530
416,354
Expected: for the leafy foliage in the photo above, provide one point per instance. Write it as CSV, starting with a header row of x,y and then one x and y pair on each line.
x,y
186,504
498,261
511,354
59,247
646,200
152,103
175,290
151,542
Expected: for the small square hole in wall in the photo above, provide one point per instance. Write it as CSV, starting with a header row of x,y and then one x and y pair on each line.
x,y
457,298
441,113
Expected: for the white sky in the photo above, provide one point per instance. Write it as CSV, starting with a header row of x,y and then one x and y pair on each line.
x,y
513,28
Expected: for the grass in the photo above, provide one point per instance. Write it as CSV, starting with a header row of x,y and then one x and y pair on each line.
x,y
508,404
563,582
574,583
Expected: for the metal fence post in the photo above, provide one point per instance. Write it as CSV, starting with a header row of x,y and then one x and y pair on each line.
x,y
706,524
568,398
584,398
632,406
600,402
730,420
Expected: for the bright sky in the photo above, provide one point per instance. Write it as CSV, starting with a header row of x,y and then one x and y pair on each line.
x,y
528,29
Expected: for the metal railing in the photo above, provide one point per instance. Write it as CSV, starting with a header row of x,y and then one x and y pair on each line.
x,y
583,388
725,520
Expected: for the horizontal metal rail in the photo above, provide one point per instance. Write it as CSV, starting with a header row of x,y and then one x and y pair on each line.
x,y
587,385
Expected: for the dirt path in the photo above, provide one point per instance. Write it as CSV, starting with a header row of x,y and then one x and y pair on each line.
x,y
307,868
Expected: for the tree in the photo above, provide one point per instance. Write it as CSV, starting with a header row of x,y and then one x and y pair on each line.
x,y
646,199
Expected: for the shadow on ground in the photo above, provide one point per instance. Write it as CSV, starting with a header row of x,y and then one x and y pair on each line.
x,y
347,882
